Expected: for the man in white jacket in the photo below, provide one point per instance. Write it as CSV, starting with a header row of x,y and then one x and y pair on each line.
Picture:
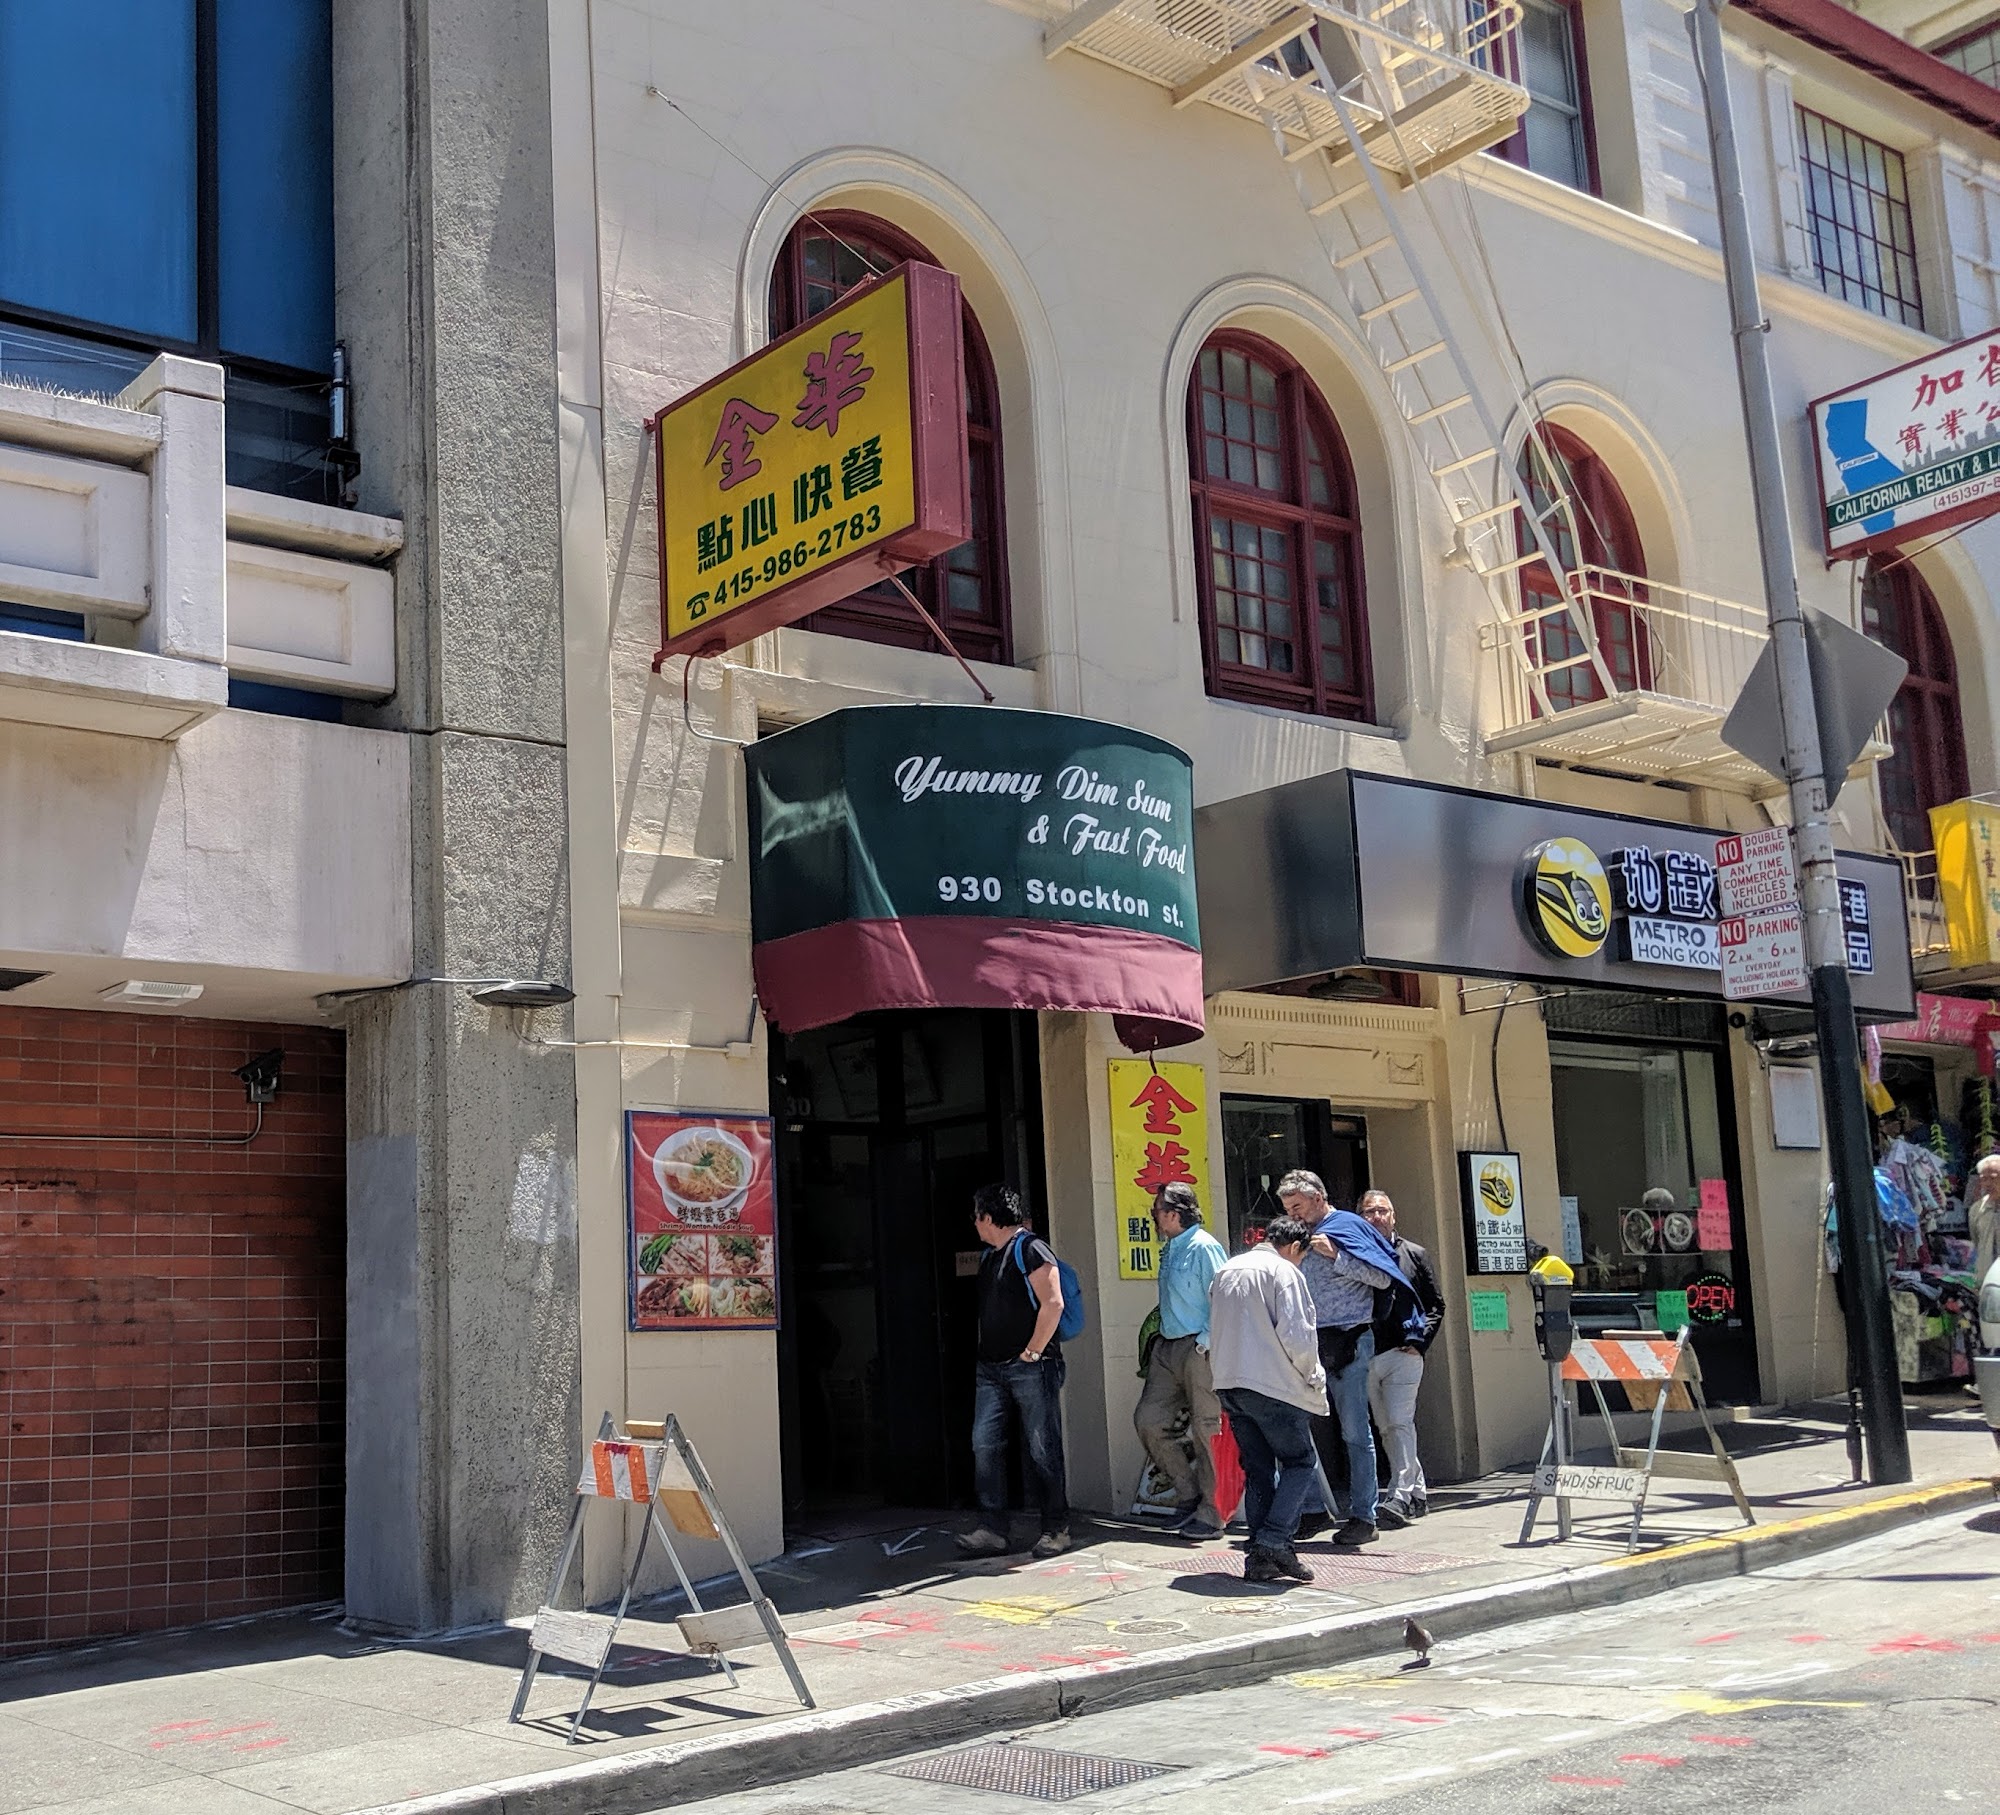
x,y
1264,1352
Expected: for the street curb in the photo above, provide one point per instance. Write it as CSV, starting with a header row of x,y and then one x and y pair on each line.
x,y
806,1745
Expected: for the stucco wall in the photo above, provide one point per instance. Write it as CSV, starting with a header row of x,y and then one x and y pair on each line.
x,y
267,858
1101,235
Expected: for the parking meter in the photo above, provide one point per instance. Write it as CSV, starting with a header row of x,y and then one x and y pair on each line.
x,y
1552,1282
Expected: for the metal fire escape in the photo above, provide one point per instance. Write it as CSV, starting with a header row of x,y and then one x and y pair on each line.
x,y
1363,101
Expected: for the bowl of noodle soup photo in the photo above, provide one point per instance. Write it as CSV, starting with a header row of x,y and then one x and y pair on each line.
x,y
704,1174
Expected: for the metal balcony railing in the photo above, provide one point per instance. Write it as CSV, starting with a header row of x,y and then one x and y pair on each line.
x,y
1923,901
1443,68
1636,676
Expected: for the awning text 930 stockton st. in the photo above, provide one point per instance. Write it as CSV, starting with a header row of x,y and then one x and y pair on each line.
x,y
974,857
1349,869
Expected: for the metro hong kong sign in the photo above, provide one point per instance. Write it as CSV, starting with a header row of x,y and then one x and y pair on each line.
x,y
1912,451
833,458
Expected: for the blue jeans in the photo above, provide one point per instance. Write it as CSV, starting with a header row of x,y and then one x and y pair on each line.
x,y
1275,1442
1034,1390
1346,1443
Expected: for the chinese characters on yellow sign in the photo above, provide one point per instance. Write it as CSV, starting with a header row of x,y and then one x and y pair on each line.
x,y
1967,837
813,468
1159,1136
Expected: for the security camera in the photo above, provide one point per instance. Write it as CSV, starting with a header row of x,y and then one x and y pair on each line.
x,y
260,1075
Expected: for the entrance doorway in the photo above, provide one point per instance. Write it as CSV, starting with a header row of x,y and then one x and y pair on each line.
x,y
1643,1128
886,1126
1263,1138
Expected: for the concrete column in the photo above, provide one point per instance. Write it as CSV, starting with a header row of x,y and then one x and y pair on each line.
x,y
462,1279
188,618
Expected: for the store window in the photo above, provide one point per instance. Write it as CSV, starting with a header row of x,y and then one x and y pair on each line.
x,y
1553,138
827,255
1651,1212
1277,535
1858,215
166,184
1977,54
1597,533
1927,766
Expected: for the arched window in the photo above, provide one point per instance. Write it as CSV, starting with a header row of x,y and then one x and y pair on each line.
x,y
1277,538
827,255
1928,767
1604,537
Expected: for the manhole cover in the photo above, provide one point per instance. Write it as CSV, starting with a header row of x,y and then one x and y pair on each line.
x,y
1037,1771
1147,1628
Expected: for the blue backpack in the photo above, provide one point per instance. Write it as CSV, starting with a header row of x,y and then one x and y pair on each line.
x,y
1073,1319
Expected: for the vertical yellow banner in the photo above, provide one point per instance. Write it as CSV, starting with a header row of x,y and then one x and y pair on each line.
x,y
1967,836
1159,1135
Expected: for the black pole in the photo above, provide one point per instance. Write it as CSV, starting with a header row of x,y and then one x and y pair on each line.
x,y
1871,1340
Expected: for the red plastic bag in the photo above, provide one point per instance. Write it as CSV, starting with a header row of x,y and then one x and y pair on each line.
x,y
1228,1472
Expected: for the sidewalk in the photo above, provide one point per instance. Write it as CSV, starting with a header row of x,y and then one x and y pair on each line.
x,y
289,1712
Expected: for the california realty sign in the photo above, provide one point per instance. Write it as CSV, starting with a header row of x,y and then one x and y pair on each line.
x,y
1912,451
972,856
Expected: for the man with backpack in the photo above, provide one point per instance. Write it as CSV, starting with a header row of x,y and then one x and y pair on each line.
x,y
1026,1306
1179,1388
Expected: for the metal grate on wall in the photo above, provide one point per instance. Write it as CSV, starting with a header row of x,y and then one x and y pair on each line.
x,y
1617,1015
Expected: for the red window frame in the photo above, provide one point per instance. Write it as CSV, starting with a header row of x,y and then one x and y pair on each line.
x,y
965,589
1605,536
1283,509
1515,149
1927,768
1981,68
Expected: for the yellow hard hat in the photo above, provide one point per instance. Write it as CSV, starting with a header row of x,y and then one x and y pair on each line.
x,y
1552,1270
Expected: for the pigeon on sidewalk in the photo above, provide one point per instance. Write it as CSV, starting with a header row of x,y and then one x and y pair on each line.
x,y
1416,1639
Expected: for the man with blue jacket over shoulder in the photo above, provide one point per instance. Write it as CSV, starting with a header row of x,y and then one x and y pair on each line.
x,y
1348,1263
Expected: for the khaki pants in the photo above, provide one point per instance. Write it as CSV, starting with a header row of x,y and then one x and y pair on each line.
x,y
1177,1380
1393,1380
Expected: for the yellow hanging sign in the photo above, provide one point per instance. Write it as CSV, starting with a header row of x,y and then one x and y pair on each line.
x,y
1159,1136
1967,836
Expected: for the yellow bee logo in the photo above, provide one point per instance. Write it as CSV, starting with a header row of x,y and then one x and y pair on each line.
x,y
1567,898
1496,1186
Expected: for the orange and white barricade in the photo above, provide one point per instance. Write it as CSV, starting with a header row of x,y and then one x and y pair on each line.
x,y
1659,1373
651,1464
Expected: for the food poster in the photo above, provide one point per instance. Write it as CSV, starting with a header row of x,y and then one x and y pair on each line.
x,y
703,1213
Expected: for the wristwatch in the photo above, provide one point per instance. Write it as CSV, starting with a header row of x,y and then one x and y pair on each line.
x,y
1031,1354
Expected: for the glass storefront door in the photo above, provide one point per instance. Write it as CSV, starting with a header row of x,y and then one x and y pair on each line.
x,y
1644,1140
887,1124
1263,1138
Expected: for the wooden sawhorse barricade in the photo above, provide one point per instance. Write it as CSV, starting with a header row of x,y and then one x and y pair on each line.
x,y
651,1464
1659,1373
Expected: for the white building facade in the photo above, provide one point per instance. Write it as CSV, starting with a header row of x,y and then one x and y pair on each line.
x,y
342,758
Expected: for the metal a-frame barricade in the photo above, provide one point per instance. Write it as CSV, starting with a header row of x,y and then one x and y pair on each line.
x,y
1660,1373
651,1463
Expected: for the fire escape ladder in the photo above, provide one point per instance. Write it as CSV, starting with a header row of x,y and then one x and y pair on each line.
x,y
1349,187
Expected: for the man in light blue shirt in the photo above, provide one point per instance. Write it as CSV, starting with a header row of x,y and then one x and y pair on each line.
x,y
1178,1380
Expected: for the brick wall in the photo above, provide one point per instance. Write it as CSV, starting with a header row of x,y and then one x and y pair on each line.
x,y
171,1315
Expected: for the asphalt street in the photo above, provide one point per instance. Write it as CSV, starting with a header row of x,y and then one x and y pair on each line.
x,y
1824,1685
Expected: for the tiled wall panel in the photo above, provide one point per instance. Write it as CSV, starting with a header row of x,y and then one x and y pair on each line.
x,y
171,1320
